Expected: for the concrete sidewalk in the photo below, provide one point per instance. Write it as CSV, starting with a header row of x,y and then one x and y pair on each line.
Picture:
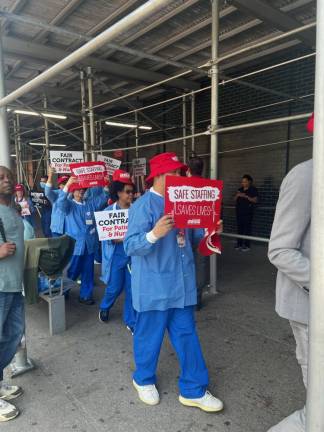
x,y
83,379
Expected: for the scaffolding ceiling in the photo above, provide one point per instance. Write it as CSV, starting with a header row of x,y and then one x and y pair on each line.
x,y
179,32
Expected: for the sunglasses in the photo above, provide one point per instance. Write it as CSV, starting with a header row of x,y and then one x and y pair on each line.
x,y
129,191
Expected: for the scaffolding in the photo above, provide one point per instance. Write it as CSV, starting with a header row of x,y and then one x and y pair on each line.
x,y
93,142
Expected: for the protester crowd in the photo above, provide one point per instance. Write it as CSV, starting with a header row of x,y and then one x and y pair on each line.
x,y
156,265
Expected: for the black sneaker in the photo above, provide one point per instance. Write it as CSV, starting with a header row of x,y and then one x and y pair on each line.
x,y
88,302
103,315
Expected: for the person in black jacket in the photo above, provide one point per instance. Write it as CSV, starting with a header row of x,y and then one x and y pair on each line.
x,y
245,200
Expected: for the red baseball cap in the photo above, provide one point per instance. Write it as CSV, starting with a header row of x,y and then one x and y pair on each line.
x,y
164,163
19,188
122,177
75,186
310,124
63,179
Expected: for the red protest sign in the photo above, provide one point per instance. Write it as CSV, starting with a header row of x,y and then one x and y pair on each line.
x,y
89,174
193,202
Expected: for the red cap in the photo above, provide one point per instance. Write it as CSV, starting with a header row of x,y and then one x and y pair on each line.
x,y
210,244
19,188
122,177
310,124
75,186
62,179
164,163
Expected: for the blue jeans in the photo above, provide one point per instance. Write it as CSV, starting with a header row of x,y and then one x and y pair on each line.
x,y
12,326
148,337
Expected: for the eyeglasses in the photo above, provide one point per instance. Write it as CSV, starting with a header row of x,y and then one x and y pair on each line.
x,y
129,191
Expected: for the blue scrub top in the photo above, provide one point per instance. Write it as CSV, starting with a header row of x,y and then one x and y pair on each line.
x,y
163,274
58,216
79,219
109,250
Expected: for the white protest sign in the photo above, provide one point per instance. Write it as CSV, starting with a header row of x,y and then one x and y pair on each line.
x,y
111,164
61,160
139,167
111,224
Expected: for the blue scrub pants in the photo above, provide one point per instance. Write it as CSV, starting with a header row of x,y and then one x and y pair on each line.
x,y
46,222
83,266
148,337
120,279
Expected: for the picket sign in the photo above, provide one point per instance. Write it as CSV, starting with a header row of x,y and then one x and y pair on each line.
x,y
139,167
111,164
111,224
61,160
89,174
193,202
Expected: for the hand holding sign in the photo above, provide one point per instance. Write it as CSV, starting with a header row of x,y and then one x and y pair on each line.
x,y
163,226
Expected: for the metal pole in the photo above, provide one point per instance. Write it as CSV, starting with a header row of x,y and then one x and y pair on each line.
x,y
193,121
100,135
4,130
84,117
315,394
19,155
214,71
184,128
16,151
134,18
91,114
46,136
136,134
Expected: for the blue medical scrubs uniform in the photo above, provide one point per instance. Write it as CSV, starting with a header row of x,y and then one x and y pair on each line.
x,y
116,274
58,216
164,295
80,225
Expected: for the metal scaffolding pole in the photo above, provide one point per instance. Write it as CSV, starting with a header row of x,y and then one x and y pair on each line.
x,y
100,135
315,394
84,117
19,154
4,130
193,121
136,134
91,114
46,137
214,72
130,20
184,128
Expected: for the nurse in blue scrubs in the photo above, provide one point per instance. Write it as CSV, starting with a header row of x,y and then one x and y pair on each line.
x,y
115,263
80,225
165,293
57,217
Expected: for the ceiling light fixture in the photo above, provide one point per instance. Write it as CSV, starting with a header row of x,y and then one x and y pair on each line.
x,y
45,114
127,125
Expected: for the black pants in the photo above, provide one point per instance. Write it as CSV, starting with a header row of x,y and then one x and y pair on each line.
x,y
244,224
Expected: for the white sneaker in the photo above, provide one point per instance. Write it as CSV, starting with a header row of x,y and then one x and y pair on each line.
x,y
7,411
206,403
147,393
9,392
